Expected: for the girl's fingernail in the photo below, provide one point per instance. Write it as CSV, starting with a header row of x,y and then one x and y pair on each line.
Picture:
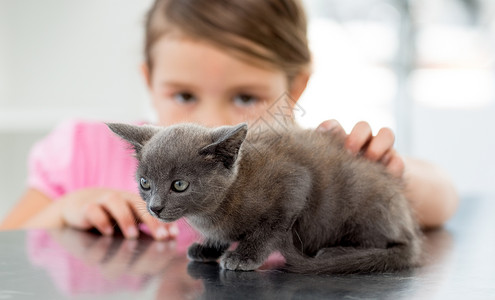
x,y
161,233
132,232
174,230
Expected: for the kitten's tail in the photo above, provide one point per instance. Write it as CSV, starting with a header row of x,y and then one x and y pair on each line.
x,y
347,260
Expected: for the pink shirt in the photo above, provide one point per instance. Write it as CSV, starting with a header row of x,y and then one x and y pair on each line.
x,y
80,154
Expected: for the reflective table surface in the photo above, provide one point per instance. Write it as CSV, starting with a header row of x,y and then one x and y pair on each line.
x,y
60,264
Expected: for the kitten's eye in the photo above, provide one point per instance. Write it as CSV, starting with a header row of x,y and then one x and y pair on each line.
x,y
179,186
145,184
184,97
245,100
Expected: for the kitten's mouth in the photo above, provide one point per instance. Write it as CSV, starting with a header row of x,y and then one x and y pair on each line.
x,y
170,215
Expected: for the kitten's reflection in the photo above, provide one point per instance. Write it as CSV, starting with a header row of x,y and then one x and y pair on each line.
x,y
271,284
219,284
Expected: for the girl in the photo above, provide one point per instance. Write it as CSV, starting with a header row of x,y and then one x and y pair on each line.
x,y
209,62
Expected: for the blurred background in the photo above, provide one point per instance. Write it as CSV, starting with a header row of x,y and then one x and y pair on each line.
x,y
422,67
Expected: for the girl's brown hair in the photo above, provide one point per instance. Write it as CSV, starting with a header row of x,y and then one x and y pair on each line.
x,y
266,32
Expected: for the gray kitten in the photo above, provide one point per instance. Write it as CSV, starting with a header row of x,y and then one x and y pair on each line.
x,y
295,191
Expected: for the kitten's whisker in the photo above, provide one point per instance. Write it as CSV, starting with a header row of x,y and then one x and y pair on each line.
x,y
302,244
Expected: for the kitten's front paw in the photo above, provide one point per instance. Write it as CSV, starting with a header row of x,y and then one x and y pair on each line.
x,y
234,261
198,252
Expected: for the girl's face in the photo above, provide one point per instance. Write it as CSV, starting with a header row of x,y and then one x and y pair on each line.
x,y
192,81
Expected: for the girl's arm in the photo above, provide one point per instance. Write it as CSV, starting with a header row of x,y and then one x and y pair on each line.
x,y
30,205
430,192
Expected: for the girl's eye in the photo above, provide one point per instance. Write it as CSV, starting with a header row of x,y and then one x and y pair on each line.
x,y
145,184
184,97
245,100
180,186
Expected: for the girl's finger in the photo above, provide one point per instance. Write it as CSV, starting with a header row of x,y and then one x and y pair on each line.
x,y
158,229
120,210
151,225
98,218
380,144
359,137
396,165
385,160
332,125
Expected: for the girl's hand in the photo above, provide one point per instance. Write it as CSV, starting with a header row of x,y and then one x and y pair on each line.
x,y
377,148
104,208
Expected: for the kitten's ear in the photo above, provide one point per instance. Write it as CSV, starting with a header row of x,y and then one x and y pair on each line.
x,y
136,135
226,145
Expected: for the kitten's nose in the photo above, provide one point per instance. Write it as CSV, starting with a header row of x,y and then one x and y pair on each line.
x,y
156,209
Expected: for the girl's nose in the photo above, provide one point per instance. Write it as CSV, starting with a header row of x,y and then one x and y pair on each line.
x,y
214,114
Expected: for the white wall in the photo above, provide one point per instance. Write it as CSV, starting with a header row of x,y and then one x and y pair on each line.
x,y
462,141
63,59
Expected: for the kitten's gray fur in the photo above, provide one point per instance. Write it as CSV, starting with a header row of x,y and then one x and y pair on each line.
x,y
295,191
